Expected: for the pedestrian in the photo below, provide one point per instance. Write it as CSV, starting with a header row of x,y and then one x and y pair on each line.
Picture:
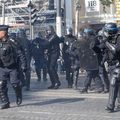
x,y
10,56
92,74
38,48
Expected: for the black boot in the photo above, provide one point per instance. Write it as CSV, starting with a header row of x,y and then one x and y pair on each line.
x,y
44,74
118,107
5,102
38,72
84,90
57,85
51,87
18,92
109,109
4,95
5,105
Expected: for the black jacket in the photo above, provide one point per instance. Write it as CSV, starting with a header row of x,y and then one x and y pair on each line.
x,y
11,55
107,54
68,41
53,44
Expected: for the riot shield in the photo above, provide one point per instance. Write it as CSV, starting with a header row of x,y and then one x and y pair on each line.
x,y
87,56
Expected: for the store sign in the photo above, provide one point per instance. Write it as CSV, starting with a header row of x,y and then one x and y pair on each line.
x,y
92,5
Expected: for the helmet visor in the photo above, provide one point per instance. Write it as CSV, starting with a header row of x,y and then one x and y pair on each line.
x,y
112,31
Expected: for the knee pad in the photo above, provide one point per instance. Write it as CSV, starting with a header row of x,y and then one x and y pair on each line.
x,y
113,81
117,72
115,76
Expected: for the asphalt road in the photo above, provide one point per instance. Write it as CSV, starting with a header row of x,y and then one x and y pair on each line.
x,y
63,104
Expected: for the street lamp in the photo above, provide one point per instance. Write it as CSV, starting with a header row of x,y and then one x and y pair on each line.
x,y
78,7
3,10
30,6
58,19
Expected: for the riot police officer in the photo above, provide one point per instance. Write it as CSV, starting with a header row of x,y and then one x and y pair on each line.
x,y
10,56
111,55
53,55
102,70
75,58
38,53
69,39
26,47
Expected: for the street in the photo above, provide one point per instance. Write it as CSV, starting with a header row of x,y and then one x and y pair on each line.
x,y
63,104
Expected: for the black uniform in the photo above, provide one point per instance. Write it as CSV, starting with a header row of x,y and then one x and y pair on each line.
x,y
26,47
68,61
112,51
101,62
10,56
53,55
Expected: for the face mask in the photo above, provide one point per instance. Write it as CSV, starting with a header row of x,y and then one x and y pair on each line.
x,y
49,32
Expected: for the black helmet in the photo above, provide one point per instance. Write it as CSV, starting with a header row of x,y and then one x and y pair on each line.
x,y
111,29
69,31
21,33
50,30
38,35
89,31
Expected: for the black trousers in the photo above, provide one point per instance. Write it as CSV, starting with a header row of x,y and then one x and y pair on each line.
x,y
104,77
13,76
69,70
52,70
38,72
92,74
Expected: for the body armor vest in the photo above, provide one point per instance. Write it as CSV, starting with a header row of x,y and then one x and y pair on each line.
x,y
6,54
68,44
